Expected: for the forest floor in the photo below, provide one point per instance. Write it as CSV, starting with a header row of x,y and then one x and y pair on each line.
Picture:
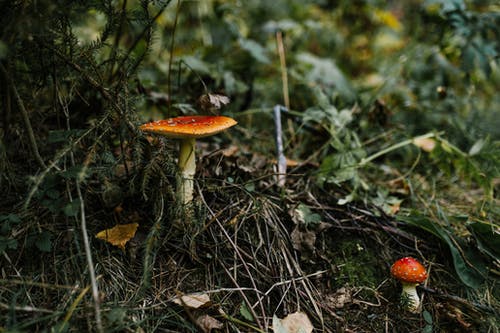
x,y
247,250
389,129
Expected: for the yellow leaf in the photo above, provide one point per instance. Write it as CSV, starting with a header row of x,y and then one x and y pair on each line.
x,y
119,235
387,18
426,144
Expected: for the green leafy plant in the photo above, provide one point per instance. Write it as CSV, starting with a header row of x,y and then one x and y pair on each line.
x,y
475,33
7,223
471,269
487,237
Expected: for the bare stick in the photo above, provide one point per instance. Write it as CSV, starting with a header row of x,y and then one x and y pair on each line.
x,y
279,146
284,74
88,254
83,226
170,60
284,78
9,307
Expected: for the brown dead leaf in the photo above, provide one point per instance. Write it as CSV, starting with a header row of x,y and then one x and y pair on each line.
x,y
119,235
218,101
399,185
339,298
213,101
303,241
289,162
230,151
426,144
297,322
257,162
193,301
296,163
208,323
394,208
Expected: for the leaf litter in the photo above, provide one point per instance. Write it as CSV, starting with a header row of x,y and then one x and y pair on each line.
x,y
119,235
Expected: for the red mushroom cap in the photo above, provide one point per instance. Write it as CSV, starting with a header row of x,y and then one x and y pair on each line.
x,y
409,270
189,126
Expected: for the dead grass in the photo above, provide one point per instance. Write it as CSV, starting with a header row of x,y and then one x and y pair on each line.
x,y
240,251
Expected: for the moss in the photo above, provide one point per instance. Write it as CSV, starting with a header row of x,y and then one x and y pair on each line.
x,y
359,266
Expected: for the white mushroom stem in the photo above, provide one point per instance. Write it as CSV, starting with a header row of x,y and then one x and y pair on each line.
x,y
187,169
410,295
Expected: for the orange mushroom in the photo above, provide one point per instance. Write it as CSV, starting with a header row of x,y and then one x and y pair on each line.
x,y
410,272
188,129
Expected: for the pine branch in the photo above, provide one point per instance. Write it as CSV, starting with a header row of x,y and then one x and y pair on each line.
x,y
146,31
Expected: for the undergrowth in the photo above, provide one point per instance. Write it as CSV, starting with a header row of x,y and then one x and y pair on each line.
x,y
389,129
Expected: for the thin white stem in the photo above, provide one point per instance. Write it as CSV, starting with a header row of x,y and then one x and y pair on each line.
x,y
279,146
90,262
187,169
410,295
396,146
83,226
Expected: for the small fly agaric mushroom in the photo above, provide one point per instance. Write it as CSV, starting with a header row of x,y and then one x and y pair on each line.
x,y
410,272
188,129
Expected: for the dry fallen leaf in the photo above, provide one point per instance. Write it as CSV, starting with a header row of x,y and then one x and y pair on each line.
x,y
297,322
303,241
218,100
212,101
193,301
394,208
208,323
119,235
426,144
339,298
289,162
230,151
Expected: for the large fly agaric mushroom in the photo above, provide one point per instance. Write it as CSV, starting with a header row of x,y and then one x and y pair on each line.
x,y
410,272
188,129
